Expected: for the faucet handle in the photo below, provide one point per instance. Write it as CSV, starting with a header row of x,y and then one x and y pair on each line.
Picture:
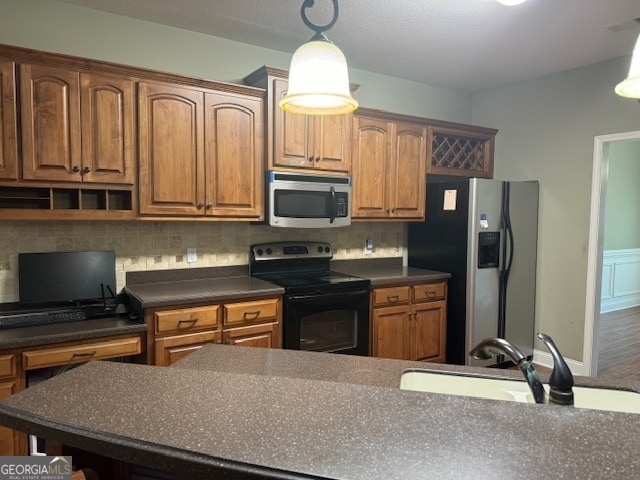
x,y
561,378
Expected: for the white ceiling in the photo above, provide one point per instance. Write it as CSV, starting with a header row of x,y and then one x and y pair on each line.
x,y
465,45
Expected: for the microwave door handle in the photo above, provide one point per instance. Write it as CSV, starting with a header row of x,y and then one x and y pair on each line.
x,y
334,206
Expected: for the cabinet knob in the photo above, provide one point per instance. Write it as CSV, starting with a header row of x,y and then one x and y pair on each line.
x,y
311,158
209,206
75,169
388,210
200,205
317,159
86,170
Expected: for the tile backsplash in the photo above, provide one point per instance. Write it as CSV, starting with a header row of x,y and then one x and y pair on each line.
x,y
152,245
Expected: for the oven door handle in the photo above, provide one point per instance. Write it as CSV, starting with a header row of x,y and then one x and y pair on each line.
x,y
328,296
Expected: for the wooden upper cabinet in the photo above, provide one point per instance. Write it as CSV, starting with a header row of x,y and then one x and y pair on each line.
x,y
51,142
234,155
200,152
8,122
107,129
171,149
76,127
409,185
372,149
388,169
462,150
308,142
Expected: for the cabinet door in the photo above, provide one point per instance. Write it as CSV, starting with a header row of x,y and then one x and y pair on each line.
x,y
372,148
107,129
171,149
169,350
332,143
8,122
291,133
7,436
391,332
407,195
428,332
266,335
50,100
234,156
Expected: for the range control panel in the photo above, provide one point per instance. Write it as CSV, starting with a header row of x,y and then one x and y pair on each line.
x,y
292,250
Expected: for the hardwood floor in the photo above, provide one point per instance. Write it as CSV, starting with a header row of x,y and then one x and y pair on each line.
x,y
619,349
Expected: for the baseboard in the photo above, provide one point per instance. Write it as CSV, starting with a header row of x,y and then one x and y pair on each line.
x,y
546,360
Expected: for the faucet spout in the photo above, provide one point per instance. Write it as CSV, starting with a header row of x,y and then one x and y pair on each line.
x,y
561,379
499,346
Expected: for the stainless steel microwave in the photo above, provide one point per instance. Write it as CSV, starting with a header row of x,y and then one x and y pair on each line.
x,y
299,200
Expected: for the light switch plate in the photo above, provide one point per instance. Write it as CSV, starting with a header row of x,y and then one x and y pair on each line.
x,y
192,255
368,246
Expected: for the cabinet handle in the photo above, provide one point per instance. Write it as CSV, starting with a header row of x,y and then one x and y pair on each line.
x,y
200,205
86,170
218,342
431,294
388,210
317,159
208,206
311,158
393,298
75,169
83,355
228,342
251,315
192,321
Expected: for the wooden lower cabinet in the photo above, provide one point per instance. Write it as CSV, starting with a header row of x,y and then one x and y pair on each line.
x,y
169,350
17,364
8,440
409,322
178,331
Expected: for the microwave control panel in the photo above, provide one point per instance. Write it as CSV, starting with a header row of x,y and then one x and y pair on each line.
x,y
342,205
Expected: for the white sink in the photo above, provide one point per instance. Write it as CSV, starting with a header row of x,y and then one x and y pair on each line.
x,y
514,390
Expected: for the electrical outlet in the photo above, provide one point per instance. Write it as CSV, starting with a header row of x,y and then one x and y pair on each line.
x,y
192,255
368,246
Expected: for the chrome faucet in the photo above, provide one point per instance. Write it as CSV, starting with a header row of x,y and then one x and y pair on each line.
x,y
561,379
499,346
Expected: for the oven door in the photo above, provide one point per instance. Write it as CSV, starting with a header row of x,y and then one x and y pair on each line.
x,y
328,322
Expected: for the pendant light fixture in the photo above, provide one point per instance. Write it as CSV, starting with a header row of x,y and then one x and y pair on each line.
x,y
318,76
630,86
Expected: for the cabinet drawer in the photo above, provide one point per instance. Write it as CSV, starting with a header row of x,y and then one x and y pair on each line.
x,y
7,366
184,319
84,352
391,295
251,312
429,291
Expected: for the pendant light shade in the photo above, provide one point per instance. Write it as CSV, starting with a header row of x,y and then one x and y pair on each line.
x,y
318,75
630,86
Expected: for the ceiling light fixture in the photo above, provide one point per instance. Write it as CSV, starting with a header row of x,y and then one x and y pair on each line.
x,y
511,2
630,86
318,76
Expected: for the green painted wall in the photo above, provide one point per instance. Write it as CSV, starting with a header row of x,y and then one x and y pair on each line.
x,y
622,222
546,131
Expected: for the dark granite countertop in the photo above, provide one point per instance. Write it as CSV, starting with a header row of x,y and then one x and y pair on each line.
x,y
68,332
148,295
213,284
387,271
241,412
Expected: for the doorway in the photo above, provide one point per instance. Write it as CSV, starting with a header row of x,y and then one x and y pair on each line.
x,y
599,183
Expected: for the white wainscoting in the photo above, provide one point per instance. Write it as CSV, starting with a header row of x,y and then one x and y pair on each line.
x,y
620,279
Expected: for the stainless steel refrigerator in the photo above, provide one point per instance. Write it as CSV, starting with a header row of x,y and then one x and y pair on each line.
x,y
484,232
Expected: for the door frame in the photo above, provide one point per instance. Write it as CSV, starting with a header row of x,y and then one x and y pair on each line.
x,y
599,181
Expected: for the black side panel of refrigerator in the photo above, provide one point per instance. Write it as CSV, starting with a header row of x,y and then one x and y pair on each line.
x,y
440,243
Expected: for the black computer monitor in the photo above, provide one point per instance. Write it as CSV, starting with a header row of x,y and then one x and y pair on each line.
x,y
66,277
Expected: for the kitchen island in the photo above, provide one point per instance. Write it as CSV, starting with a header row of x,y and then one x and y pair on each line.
x,y
263,413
